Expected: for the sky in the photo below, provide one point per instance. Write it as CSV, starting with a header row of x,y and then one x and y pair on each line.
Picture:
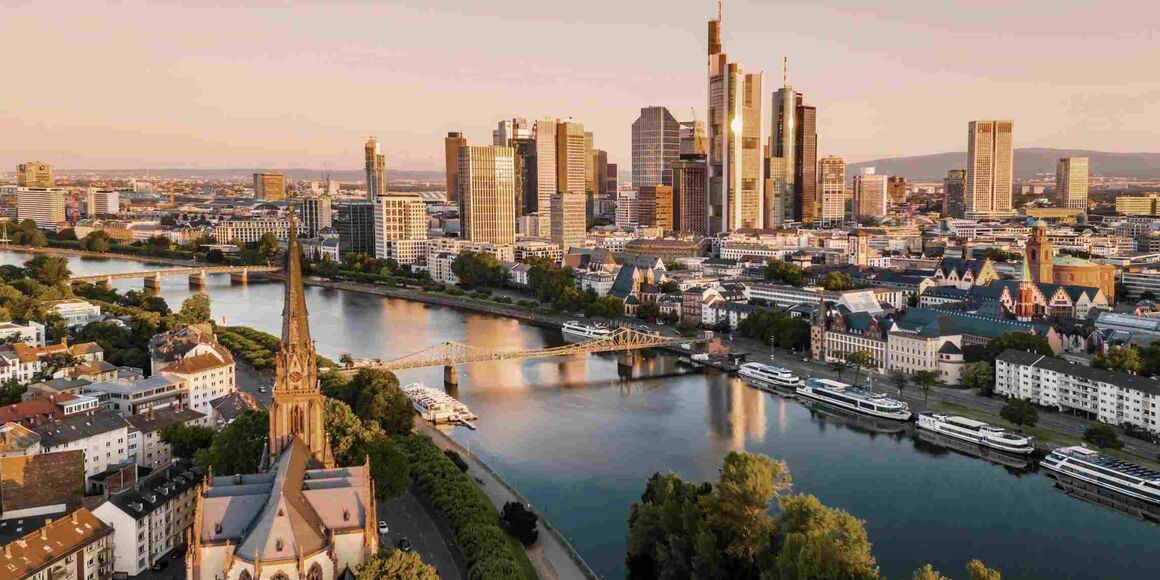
x,y
298,84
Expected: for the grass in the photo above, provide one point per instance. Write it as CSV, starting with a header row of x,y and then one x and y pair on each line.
x,y
528,572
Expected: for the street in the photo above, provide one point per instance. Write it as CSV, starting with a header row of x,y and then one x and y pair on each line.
x,y
406,518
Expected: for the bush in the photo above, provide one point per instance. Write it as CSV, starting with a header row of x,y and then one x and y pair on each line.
x,y
1103,435
456,459
520,522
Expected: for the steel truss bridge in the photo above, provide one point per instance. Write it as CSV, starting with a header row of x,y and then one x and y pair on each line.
x,y
195,274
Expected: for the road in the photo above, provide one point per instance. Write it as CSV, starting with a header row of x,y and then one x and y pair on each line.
x,y
406,518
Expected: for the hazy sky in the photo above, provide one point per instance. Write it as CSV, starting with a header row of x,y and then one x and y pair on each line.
x,y
275,84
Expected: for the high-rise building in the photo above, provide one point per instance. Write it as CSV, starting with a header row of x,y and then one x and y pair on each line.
x,y
600,167
43,205
832,185
805,179
451,145
545,147
589,164
691,195
568,225
316,214
376,166
487,194
954,193
655,203
896,189
656,142
400,227
102,202
869,195
613,183
990,159
1071,182
510,130
355,222
692,139
780,167
35,174
269,186
627,209
570,157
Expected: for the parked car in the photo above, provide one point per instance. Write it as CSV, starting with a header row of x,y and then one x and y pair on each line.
x,y
405,545
159,565
383,527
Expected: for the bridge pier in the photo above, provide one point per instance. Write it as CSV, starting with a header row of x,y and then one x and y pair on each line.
x,y
106,283
242,277
153,283
625,361
450,376
197,279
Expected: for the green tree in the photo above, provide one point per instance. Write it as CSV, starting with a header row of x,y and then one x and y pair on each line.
x,y
378,398
1020,413
737,509
976,570
10,392
195,309
817,542
979,376
648,311
1120,358
1020,341
346,432
520,522
836,281
858,360
1103,435
268,245
670,287
477,269
900,381
840,367
238,447
51,270
396,565
784,272
390,467
97,241
928,572
925,380
185,439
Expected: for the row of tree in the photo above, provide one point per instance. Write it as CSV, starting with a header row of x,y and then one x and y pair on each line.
x,y
777,329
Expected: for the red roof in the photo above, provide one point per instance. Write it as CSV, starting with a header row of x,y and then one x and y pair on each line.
x,y
36,411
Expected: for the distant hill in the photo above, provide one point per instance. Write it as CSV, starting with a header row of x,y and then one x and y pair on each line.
x,y
1028,162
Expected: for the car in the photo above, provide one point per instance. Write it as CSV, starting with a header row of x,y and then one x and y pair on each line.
x,y
383,527
261,389
159,565
805,359
405,545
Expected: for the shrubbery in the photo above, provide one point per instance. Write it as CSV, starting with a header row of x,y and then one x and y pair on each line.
x,y
255,347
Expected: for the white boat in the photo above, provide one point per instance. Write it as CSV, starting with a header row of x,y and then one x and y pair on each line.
x,y
1108,473
978,432
576,331
763,375
436,406
854,399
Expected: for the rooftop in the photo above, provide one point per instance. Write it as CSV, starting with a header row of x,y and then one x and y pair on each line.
x,y
157,488
70,429
35,551
1123,380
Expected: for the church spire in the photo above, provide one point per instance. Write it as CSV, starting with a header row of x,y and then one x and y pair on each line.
x,y
1026,275
295,327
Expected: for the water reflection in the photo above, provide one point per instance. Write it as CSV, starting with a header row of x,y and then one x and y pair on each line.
x,y
735,413
938,444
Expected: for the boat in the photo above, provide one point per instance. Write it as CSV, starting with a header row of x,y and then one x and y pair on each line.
x,y
1021,464
438,407
977,432
763,376
854,421
854,399
576,331
1087,470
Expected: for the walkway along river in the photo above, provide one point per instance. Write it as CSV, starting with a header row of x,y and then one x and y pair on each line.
x,y
580,443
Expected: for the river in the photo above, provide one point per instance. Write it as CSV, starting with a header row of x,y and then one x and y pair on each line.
x,y
580,443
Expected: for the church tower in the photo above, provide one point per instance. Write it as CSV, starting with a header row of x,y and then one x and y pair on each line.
x,y
1039,252
1025,296
818,332
298,409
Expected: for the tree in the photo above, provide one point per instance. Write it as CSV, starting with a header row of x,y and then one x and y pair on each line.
x,y
925,380
238,447
784,272
476,269
670,287
456,459
346,360
1120,358
858,360
96,241
346,432
195,309
836,281
927,572
1020,341
1103,435
390,468
54,362
1020,413
738,507
648,312
215,256
520,522
396,565
185,439
980,376
51,270
378,398
976,570
10,392
268,245
839,366
900,381
816,542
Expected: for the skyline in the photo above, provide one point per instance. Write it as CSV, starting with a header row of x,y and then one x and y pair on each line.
x,y
303,87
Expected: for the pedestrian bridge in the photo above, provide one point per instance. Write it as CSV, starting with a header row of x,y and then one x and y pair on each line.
x,y
196,276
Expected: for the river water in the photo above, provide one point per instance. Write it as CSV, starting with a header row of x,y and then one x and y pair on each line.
x,y
580,443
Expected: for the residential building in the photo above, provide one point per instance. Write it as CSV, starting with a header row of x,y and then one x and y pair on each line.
x,y
30,333
401,227
954,193
43,205
224,410
317,214
691,195
439,267
656,144
193,356
869,195
248,231
152,517
568,220
487,194
355,222
990,168
102,435
832,190
77,546
145,445
502,252
126,396
451,145
35,174
627,209
269,186
75,312
99,202
376,168
528,248
36,412
1071,182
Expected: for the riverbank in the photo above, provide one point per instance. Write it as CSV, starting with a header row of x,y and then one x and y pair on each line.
x,y
49,251
552,555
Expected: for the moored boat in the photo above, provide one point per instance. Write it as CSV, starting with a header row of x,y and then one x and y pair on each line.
x,y
763,376
976,432
438,407
577,331
1080,464
854,399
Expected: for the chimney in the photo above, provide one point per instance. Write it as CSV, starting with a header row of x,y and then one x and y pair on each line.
x,y
74,518
966,248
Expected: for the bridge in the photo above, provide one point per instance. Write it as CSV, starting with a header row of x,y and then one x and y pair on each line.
x,y
450,354
197,276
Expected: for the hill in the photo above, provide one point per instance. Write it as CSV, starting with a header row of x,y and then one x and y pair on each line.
x,y
1028,162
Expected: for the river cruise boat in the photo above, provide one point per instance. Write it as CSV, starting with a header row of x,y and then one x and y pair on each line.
x,y
853,399
1019,464
763,375
1093,470
977,432
577,331
438,407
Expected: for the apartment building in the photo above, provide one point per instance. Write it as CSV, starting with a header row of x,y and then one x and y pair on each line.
x,y
77,546
103,436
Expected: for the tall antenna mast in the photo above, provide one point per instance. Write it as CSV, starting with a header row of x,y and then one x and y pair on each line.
x,y
719,2
785,70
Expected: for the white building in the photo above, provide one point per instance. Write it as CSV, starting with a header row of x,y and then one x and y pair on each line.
x,y
145,444
529,248
126,396
75,312
193,356
102,202
931,348
439,267
43,205
251,230
31,333
103,436
627,209
400,227
502,252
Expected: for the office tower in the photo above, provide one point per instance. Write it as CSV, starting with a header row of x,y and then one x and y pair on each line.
x,y
316,214
451,145
655,206
102,202
1071,182
780,167
487,194
589,164
627,209
692,139
691,195
989,168
400,227
570,154
954,190
355,222
35,174
376,165
751,211
656,142
896,189
613,183
269,186
510,130
832,180
568,226
43,205
545,146
600,168
869,195
805,178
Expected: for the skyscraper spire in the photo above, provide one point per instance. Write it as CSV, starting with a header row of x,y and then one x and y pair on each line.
x,y
785,71
719,10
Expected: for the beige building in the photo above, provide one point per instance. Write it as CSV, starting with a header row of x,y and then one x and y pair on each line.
x,y
911,352
43,205
568,220
451,145
269,186
193,355
570,157
1071,182
990,168
376,167
545,151
400,227
487,194
832,184
869,195
35,174
1138,204
77,546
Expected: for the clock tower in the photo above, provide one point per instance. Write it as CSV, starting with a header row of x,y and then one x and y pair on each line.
x,y
298,409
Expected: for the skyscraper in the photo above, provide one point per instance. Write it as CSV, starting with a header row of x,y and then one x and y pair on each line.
x,y
269,186
589,164
954,190
316,214
568,225
545,146
692,139
750,206
1071,182
376,166
691,195
656,142
355,222
451,145
510,130
43,205
655,206
805,178
35,174
600,168
627,209
989,168
612,186
780,167
487,194
400,227
869,195
570,154
832,173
